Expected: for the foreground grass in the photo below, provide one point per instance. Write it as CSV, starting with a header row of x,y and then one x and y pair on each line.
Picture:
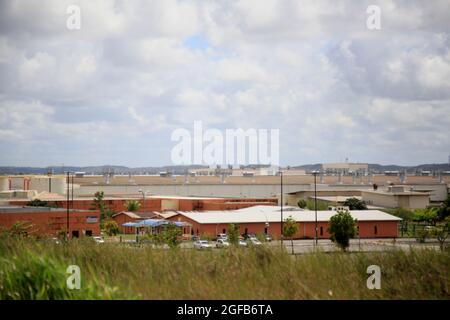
x,y
36,270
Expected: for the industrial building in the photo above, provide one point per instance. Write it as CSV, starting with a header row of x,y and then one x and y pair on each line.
x,y
396,197
50,221
345,168
266,220
156,203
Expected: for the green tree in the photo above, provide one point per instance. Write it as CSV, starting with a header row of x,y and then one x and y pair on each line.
x,y
442,232
321,205
171,235
355,204
444,209
20,229
99,204
342,228
132,205
428,215
111,227
290,228
37,203
302,203
233,234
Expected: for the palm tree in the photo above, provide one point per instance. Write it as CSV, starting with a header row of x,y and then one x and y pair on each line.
x,y
132,205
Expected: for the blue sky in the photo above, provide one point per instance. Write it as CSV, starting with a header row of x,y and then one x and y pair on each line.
x,y
114,91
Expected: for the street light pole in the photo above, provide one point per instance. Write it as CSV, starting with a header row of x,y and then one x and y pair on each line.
x,y
67,207
315,205
281,199
143,199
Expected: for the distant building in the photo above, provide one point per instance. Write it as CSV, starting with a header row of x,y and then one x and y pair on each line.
x,y
345,168
396,197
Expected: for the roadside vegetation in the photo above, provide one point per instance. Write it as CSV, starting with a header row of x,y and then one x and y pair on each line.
x,y
429,223
36,269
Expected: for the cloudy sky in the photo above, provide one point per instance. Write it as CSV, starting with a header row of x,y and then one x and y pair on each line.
x,y
113,91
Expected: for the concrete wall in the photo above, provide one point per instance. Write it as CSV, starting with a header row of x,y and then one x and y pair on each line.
x,y
438,192
380,199
418,202
394,201
202,190
4,184
18,183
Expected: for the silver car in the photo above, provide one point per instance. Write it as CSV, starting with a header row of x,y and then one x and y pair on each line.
x,y
222,243
98,239
202,244
254,241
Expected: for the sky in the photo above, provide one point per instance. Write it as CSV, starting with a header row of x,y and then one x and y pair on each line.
x,y
114,90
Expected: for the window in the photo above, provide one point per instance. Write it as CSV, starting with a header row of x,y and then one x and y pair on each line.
x,y
375,230
89,233
75,234
265,230
246,230
321,231
224,231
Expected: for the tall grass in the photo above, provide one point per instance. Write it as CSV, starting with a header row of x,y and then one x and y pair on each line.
x,y
36,270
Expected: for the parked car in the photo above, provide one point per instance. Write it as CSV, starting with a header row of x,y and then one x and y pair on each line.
x,y
202,244
242,243
268,238
98,239
222,236
222,243
195,238
254,241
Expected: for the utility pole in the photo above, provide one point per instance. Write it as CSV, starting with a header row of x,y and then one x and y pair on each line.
x,y
281,198
67,207
315,204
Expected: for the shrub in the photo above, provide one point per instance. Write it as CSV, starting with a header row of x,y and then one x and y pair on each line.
x,y
111,227
355,204
302,203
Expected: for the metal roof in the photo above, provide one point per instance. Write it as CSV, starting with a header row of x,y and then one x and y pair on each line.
x,y
259,214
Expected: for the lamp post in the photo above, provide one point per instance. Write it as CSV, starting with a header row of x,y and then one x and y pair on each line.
x,y
143,199
315,206
281,199
49,174
67,207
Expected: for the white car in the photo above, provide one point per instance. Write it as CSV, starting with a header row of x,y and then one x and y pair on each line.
x,y
222,243
242,243
202,244
254,241
98,239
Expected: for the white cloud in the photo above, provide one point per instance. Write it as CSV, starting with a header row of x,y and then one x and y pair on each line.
x,y
312,69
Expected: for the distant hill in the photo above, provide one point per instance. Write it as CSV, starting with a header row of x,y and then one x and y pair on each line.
x,y
183,169
97,169
391,167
